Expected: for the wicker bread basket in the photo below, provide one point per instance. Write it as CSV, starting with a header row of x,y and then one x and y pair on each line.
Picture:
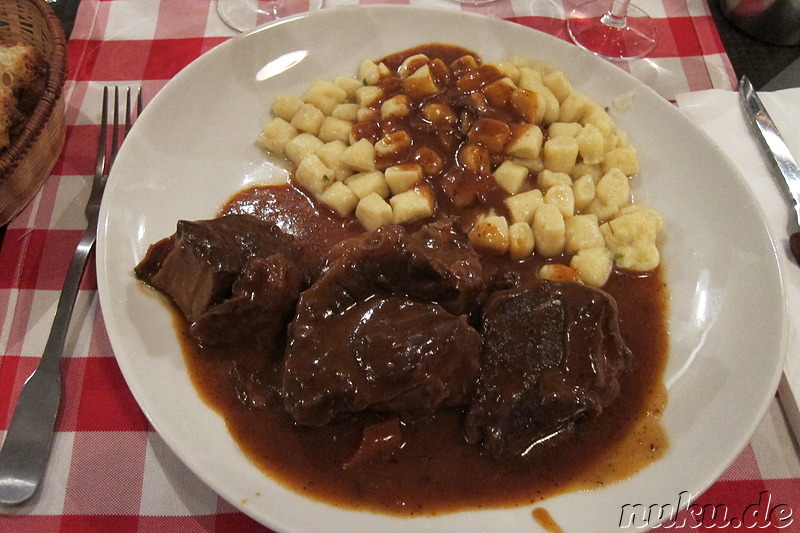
x,y
28,160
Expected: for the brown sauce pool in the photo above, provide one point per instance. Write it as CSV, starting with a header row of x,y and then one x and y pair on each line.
x,y
436,471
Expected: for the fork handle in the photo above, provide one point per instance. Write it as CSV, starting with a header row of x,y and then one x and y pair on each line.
x,y
26,449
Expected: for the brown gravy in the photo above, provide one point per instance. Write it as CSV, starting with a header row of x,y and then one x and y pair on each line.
x,y
436,471
544,519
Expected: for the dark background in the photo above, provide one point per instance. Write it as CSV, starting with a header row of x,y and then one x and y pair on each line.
x,y
759,61
65,10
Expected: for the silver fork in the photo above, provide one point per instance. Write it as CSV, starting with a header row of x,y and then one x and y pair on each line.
x,y
26,448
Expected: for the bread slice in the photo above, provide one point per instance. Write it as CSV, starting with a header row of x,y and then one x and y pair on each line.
x,y
21,74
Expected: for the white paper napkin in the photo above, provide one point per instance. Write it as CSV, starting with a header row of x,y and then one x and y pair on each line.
x,y
719,114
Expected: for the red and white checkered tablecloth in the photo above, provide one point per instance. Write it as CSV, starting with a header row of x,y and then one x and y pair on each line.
x,y
109,470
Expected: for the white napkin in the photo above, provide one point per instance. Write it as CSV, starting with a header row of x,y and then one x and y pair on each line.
x,y
719,114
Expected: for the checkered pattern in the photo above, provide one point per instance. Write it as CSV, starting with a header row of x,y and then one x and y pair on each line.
x,y
109,470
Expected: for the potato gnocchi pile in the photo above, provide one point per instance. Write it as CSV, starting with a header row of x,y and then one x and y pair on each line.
x,y
556,157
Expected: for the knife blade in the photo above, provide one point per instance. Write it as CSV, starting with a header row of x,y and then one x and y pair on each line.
x,y
773,147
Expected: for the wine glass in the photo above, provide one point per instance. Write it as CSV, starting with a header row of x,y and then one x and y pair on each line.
x,y
618,31
245,15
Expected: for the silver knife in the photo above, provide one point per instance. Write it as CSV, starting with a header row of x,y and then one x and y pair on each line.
x,y
773,147
784,168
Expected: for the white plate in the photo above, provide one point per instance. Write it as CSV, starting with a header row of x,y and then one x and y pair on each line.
x,y
194,147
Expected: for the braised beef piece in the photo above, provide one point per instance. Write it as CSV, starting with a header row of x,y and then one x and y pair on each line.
x,y
435,264
383,329
253,384
210,271
261,304
378,442
552,354
384,354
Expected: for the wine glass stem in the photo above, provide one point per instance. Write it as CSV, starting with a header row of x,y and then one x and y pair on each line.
x,y
617,14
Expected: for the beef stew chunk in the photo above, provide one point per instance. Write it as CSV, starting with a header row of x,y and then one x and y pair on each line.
x,y
384,328
391,355
209,269
261,304
552,354
435,264
379,441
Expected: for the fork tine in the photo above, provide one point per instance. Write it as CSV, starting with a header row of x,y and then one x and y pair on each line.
x,y
127,110
101,143
128,119
115,131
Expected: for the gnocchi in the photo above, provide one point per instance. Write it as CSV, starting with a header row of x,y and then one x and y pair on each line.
x,y
549,230
560,166
373,212
412,205
491,234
